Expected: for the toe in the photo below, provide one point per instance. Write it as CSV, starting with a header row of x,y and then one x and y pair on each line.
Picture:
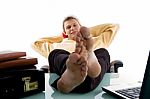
x,y
74,57
81,61
78,50
85,32
84,70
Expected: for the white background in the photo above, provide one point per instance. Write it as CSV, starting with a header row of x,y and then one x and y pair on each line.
x,y
24,21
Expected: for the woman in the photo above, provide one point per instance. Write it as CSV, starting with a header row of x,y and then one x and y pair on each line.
x,y
103,35
82,70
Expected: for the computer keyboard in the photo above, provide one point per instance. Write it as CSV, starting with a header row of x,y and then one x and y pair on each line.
x,y
130,92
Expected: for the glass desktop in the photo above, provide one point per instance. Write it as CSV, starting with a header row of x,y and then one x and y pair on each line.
x,y
51,93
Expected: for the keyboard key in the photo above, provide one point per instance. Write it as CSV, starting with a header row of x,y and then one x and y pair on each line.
x,y
130,93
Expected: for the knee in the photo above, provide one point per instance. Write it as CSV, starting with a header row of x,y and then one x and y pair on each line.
x,y
102,51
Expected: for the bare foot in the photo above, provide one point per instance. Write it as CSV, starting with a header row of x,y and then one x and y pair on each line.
x,y
75,73
87,38
94,68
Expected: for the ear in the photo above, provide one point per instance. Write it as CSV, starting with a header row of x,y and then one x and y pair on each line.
x,y
64,35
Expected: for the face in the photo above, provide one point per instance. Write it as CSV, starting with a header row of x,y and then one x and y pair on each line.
x,y
71,27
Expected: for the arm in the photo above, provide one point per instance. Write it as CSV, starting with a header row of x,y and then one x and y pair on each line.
x,y
43,45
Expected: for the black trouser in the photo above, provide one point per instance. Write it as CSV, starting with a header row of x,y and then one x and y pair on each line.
x,y
57,62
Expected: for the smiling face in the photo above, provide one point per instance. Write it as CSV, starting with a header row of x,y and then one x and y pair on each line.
x,y
71,28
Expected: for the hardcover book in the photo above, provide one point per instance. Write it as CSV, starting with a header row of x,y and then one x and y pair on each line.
x,y
8,55
22,61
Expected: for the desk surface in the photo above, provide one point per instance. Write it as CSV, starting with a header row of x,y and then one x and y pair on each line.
x,y
50,93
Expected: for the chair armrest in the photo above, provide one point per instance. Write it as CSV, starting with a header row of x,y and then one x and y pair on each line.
x,y
45,68
114,65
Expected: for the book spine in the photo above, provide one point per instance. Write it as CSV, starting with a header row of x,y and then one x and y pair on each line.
x,y
3,70
18,62
11,55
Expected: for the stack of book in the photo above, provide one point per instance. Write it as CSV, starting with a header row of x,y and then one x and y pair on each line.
x,y
10,60
19,76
